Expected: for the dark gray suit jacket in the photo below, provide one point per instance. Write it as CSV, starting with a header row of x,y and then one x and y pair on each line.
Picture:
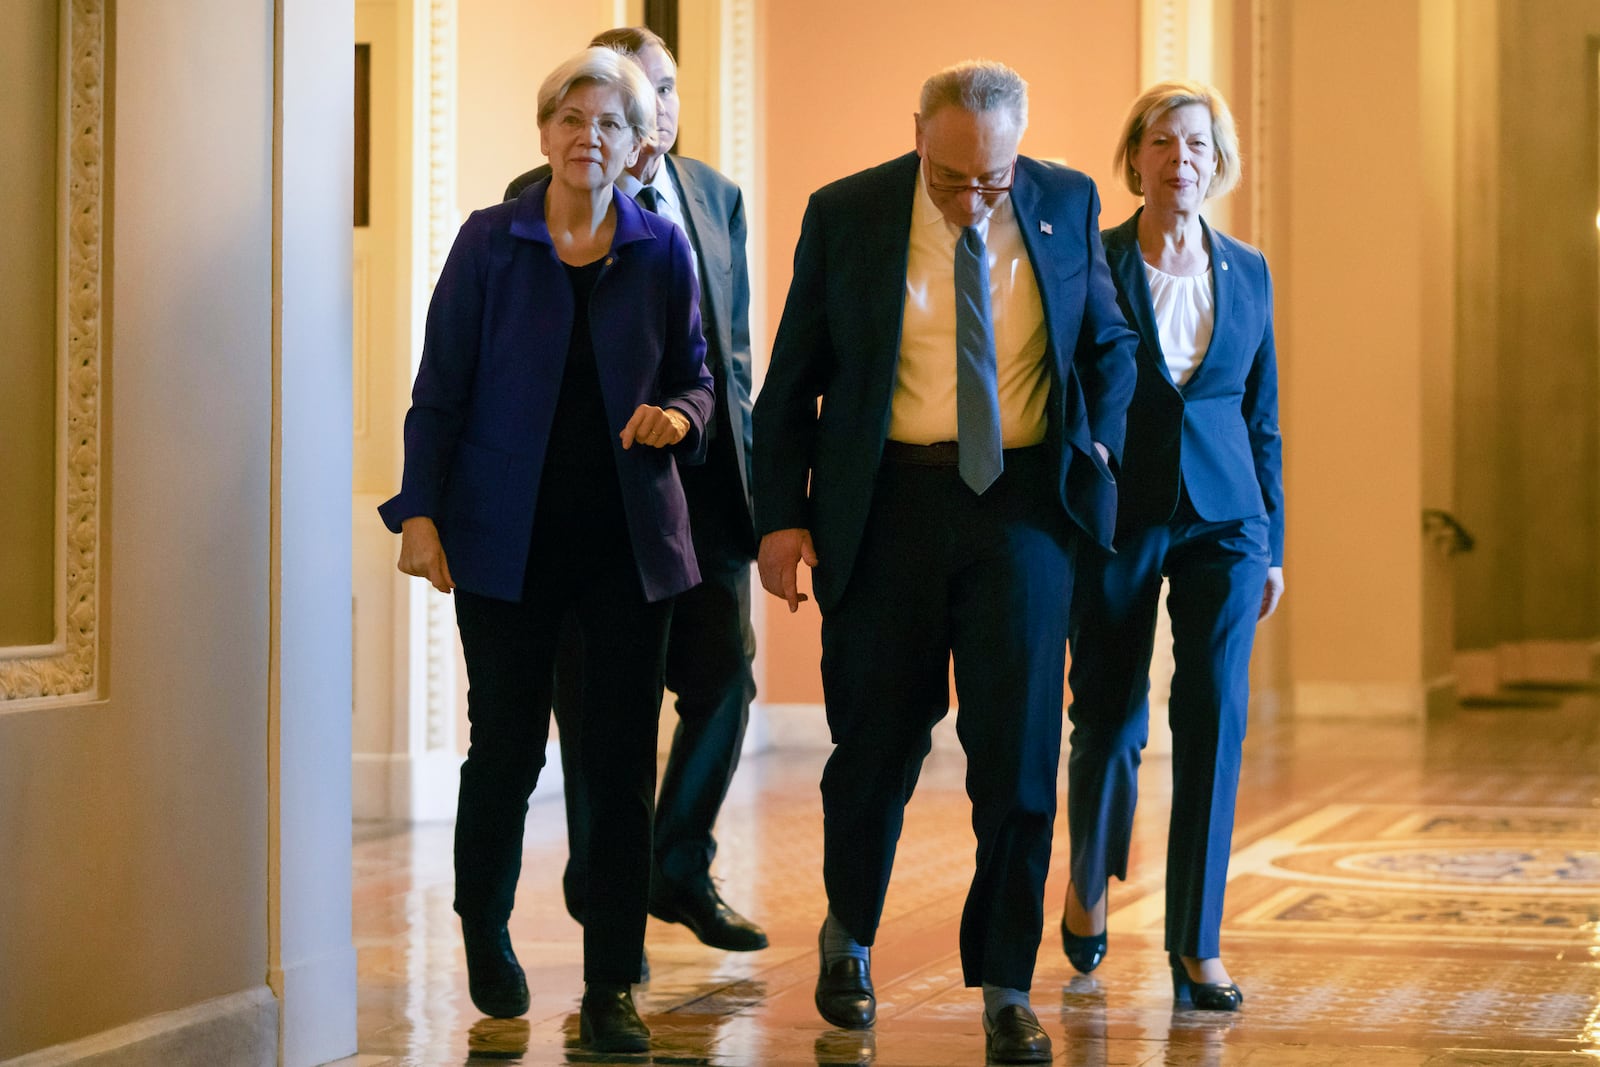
x,y
724,535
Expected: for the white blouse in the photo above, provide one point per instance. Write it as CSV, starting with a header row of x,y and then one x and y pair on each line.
x,y
1184,318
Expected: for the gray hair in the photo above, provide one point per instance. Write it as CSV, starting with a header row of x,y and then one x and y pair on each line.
x,y
603,66
977,85
1154,104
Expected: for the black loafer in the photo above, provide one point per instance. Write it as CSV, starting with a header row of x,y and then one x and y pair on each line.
x,y
608,1022
494,977
844,991
1015,1036
701,908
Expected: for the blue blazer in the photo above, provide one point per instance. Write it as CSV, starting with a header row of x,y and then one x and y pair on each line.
x,y
1218,436
839,340
493,355
715,209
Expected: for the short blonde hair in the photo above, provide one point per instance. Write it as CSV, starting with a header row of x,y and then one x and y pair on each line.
x,y
1153,104
603,66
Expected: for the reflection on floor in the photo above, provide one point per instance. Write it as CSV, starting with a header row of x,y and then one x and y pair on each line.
x,y
1399,896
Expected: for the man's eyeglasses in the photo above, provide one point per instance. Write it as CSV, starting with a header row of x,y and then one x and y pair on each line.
x,y
1003,186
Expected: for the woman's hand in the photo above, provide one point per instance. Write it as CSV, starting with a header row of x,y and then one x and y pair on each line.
x,y
421,554
656,427
1271,593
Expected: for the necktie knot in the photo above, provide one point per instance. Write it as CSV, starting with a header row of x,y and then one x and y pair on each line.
x,y
649,198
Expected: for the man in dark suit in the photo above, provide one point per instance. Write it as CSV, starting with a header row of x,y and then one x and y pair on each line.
x,y
711,643
953,312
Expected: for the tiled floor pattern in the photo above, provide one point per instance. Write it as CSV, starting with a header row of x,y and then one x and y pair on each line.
x,y
1400,896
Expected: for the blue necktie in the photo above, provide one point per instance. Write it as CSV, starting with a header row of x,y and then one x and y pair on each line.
x,y
648,198
977,395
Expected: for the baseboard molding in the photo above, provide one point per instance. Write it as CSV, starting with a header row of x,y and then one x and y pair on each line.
x,y
1359,700
802,727
1546,661
1481,672
1477,672
318,1014
240,1030
1440,695
423,788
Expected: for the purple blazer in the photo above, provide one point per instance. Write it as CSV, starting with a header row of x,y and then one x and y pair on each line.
x,y
493,355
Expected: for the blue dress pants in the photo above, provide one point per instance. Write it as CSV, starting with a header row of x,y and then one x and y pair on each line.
x,y
1216,572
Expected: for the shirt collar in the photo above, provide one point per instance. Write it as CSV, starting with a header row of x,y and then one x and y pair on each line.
x,y
926,213
629,184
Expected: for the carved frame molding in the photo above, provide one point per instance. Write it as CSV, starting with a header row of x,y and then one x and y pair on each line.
x,y
69,671
438,691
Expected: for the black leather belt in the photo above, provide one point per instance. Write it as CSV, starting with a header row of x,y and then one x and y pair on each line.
x,y
938,454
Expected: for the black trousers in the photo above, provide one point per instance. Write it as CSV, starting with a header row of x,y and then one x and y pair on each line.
x,y
709,648
944,573
510,652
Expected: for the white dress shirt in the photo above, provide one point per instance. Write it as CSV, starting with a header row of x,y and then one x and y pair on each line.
x,y
671,204
924,409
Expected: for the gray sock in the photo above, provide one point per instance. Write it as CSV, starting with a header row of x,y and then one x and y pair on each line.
x,y
837,944
996,997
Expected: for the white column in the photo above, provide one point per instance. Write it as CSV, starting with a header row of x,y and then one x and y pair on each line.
x,y
311,956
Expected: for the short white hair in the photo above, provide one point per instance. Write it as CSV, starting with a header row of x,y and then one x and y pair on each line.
x,y
977,85
603,66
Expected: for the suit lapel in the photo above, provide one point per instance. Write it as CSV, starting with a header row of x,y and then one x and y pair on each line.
x,y
1035,230
705,230
884,238
1127,266
1222,297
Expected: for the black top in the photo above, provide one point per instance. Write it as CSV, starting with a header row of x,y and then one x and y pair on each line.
x,y
580,512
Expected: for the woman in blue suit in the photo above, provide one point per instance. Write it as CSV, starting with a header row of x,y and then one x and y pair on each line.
x,y
561,380
1200,502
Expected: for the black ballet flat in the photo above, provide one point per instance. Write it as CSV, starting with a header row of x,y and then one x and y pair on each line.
x,y
1084,953
1205,996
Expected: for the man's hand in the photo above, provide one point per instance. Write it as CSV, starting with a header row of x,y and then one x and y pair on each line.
x,y
656,427
1272,593
421,554
779,563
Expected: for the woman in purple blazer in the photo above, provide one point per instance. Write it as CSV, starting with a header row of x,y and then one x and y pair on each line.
x,y
1200,502
562,380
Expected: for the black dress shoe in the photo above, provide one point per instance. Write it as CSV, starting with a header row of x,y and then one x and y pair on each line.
x,y
844,991
494,977
1084,953
1206,996
701,908
1015,1036
608,1022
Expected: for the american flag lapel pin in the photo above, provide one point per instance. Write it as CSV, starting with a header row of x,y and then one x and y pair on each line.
x,y
1044,227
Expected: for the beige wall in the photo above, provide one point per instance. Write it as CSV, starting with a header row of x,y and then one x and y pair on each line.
x,y
842,83
134,830
1529,465
1349,323
512,45
28,236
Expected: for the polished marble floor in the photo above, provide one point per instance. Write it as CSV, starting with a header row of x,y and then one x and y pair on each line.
x,y
1400,896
